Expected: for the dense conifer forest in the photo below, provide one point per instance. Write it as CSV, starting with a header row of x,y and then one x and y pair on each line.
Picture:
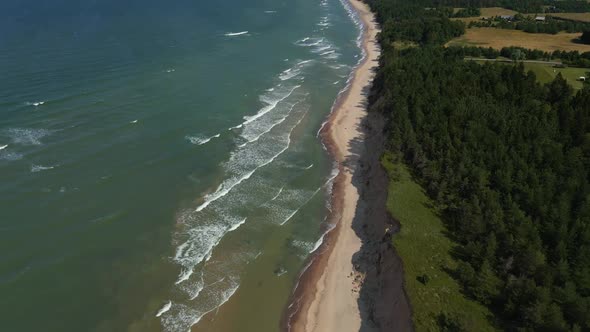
x,y
505,159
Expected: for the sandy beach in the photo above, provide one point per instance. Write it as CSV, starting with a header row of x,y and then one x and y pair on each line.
x,y
329,289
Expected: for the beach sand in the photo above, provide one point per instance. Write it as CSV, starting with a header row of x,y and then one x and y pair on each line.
x,y
328,297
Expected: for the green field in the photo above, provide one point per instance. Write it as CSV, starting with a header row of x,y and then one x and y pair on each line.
x,y
425,250
546,73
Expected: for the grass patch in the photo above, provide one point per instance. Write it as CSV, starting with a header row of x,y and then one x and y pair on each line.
x,y
402,45
499,38
425,251
546,73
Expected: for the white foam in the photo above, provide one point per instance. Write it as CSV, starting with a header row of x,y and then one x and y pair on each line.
x,y
27,136
134,121
233,34
270,11
36,103
319,242
231,229
248,134
289,74
204,229
3,147
184,275
308,167
292,214
322,49
309,41
303,245
236,226
165,308
224,297
194,288
271,105
9,155
225,188
39,168
170,70
199,140
278,194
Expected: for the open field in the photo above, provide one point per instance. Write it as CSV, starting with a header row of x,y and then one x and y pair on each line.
x,y
546,73
583,17
487,13
425,250
498,38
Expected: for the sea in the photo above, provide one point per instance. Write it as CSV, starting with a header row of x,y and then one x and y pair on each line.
x,y
161,167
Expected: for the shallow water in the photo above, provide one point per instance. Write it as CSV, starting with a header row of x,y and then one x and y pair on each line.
x,y
160,167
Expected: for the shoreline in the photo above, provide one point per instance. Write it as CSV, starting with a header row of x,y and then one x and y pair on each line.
x,y
326,297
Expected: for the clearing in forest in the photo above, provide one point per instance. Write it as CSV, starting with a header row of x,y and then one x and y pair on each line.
x,y
499,38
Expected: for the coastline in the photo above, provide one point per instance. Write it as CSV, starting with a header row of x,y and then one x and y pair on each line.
x,y
326,297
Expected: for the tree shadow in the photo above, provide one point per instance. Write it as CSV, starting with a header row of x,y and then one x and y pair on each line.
x,y
383,303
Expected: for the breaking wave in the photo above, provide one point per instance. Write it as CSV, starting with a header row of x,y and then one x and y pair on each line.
x,y
233,34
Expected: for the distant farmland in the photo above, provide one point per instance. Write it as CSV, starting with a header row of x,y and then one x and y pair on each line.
x,y
498,38
583,17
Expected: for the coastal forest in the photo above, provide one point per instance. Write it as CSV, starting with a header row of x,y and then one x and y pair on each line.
x,y
504,158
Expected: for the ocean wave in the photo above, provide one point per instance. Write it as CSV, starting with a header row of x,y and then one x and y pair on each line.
x,y
200,140
204,227
230,229
294,71
324,22
354,16
164,308
233,34
310,41
270,11
272,101
289,74
222,296
201,241
27,136
252,135
304,246
319,45
194,287
319,242
10,155
35,103
39,168
278,194
181,317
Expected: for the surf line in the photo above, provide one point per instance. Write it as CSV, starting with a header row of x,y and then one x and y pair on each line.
x,y
221,191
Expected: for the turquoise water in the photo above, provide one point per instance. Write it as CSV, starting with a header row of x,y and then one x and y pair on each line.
x,y
160,167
